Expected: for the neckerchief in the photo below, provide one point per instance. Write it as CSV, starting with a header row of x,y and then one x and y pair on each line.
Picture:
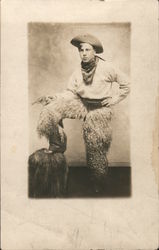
x,y
88,70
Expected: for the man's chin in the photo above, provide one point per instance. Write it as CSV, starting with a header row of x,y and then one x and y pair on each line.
x,y
85,60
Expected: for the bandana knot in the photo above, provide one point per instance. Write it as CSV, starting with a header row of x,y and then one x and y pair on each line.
x,y
88,70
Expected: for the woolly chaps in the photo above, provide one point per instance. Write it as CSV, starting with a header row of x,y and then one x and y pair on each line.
x,y
97,136
96,129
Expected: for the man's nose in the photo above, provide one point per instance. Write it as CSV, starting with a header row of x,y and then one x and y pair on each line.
x,y
84,53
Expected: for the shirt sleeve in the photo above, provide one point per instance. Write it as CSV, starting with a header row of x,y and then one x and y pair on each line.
x,y
124,85
72,84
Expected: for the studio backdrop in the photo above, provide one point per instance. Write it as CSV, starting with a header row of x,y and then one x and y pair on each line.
x,y
52,60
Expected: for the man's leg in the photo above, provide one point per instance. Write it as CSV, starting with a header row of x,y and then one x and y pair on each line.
x,y
97,135
65,105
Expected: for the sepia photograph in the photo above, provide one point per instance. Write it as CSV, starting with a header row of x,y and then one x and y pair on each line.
x,y
79,125
79,85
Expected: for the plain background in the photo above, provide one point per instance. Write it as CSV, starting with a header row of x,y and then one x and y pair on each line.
x,y
111,223
52,60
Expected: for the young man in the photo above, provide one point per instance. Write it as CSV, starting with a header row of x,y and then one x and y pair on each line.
x,y
92,90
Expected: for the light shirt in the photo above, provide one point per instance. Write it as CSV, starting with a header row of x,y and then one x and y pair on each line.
x,y
107,82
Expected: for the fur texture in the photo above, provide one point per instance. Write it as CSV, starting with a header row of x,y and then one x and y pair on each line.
x,y
97,135
47,174
97,131
66,105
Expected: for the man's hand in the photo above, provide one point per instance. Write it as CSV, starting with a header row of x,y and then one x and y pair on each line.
x,y
44,100
107,102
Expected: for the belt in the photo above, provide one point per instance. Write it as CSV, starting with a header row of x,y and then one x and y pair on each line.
x,y
92,103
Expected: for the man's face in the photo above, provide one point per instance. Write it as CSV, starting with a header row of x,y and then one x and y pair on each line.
x,y
87,52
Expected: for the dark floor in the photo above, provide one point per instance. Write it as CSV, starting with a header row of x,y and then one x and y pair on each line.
x,y
118,183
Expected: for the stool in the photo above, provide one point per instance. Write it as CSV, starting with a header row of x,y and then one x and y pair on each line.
x,y
47,174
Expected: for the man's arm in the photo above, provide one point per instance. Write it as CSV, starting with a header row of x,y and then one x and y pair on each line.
x,y
124,86
45,100
120,79
72,84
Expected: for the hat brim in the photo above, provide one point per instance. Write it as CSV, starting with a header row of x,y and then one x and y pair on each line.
x,y
76,41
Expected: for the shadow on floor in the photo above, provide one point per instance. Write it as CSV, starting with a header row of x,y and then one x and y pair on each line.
x,y
118,183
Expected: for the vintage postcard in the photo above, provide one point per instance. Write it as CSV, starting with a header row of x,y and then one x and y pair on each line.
x,y
79,133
